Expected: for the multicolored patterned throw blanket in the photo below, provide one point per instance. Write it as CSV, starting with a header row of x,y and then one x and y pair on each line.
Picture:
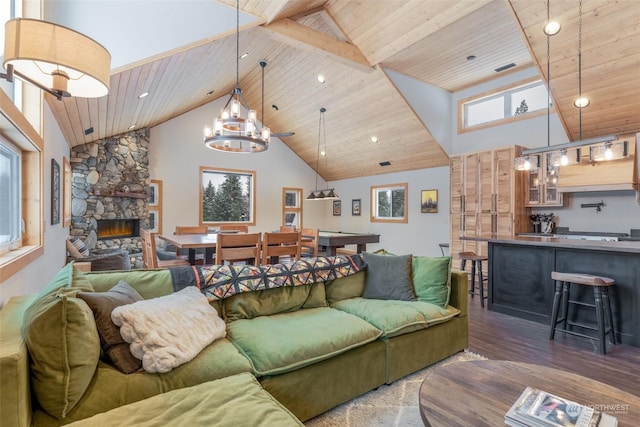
x,y
218,282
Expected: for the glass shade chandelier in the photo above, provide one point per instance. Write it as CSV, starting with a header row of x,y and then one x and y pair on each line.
x,y
236,129
56,59
328,193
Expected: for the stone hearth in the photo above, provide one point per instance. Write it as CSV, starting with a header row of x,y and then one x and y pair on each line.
x,y
110,181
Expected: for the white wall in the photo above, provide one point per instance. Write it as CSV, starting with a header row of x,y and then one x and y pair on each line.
x,y
423,232
176,153
37,274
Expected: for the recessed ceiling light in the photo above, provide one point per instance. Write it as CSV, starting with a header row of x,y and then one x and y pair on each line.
x,y
552,28
321,78
244,55
375,139
322,153
210,92
471,57
132,127
142,95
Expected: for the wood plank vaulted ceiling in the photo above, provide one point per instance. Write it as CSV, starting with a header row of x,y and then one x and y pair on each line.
x,y
354,44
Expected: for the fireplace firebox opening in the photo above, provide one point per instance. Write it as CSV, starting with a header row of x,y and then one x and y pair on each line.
x,y
118,228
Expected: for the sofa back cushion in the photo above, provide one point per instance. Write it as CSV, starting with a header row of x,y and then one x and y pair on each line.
x,y
388,277
432,279
248,305
345,287
63,342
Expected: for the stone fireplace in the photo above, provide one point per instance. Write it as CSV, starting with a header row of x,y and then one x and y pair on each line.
x,y
109,192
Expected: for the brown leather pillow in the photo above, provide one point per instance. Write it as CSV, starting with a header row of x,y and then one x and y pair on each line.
x,y
113,345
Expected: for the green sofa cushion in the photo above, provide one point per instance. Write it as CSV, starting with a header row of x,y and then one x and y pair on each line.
x,y
63,342
345,287
234,401
111,388
284,342
248,305
394,317
432,279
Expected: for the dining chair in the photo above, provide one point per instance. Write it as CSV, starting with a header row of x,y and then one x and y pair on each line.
x,y
243,228
200,254
287,229
192,229
280,244
241,247
309,242
150,254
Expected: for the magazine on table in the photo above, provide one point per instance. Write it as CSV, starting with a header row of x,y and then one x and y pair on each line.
x,y
537,408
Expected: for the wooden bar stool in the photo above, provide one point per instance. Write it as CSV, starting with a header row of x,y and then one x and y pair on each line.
x,y
476,267
602,305
444,247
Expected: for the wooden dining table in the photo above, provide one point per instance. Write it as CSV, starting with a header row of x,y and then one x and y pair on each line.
x,y
193,242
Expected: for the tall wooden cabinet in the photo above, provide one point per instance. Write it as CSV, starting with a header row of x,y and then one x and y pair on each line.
x,y
487,199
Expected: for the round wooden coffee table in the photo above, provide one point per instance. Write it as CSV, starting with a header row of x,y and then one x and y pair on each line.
x,y
479,393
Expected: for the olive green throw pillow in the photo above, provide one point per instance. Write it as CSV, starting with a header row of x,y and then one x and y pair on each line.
x,y
432,279
113,345
388,277
63,342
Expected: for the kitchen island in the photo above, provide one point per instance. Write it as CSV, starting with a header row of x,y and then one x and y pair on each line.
x,y
520,278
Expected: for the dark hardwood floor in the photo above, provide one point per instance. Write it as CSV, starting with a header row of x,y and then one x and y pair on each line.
x,y
501,337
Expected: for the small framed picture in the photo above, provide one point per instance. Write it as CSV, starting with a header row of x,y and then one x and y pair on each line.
x,y
355,207
155,192
55,192
337,207
429,201
155,221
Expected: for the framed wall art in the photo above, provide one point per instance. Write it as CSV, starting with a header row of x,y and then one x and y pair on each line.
x,y
155,193
337,207
155,221
429,201
355,207
55,192
66,192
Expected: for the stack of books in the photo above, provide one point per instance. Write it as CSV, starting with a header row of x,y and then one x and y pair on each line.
x,y
537,408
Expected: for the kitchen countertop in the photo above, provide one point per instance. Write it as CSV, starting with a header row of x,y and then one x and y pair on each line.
x,y
620,246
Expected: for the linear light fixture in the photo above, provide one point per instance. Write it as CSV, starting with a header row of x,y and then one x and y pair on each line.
x,y
56,59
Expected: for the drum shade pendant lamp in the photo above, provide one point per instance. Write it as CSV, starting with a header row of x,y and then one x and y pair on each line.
x,y
328,193
231,132
56,59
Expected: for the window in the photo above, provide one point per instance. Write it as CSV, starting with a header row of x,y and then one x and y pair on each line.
x,y
292,207
525,100
10,206
389,203
21,170
227,196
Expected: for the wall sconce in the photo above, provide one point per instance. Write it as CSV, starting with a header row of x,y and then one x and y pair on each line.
x,y
609,151
58,60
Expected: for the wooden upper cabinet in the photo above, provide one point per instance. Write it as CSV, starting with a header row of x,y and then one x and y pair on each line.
x,y
456,188
471,192
542,183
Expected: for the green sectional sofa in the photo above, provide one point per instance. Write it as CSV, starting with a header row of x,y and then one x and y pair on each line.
x,y
302,348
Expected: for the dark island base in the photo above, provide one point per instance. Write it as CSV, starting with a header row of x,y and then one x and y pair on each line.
x,y
520,283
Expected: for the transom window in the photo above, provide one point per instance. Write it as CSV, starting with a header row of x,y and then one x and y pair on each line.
x,y
389,203
505,104
227,196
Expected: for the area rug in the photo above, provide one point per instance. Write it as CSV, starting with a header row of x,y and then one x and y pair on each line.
x,y
394,405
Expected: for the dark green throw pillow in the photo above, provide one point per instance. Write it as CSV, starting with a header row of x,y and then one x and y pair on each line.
x,y
113,345
432,279
388,277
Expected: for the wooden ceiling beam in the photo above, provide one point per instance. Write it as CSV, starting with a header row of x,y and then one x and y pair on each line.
x,y
297,35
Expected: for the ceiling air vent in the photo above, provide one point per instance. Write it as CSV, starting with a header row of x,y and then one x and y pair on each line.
x,y
505,67
88,131
387,163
